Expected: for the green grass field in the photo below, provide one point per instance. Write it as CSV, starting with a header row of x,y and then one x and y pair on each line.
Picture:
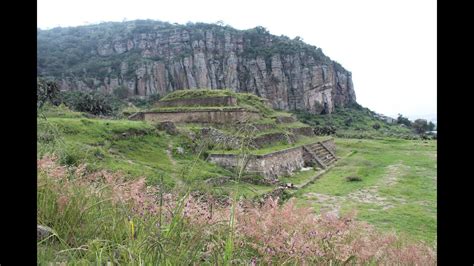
x,y
132,147
397,191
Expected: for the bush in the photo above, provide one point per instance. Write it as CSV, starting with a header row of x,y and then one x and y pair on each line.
x,y
420,126
348,122
353,178
326,130
403,120
95,103
61,110
121,92
145,102
431,126
47,91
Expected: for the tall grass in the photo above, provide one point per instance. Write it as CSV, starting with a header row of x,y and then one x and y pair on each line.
x,y
98,217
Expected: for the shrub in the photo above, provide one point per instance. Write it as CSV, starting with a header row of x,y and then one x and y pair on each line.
x,y
431,126
95,103
121,92
47,132
403,120
144,102
49,110
353,178
420,126
348,122
153,98
47,91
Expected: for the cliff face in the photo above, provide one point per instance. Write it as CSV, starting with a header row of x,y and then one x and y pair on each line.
x,y
161,58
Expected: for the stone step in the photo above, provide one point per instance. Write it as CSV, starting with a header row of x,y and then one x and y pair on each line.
x,y
316,145
316,158
322,152
327,156
323,156
319,148
329,164
330,161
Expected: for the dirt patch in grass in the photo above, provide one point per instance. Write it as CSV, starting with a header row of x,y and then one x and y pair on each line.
x,y
394,171
368,195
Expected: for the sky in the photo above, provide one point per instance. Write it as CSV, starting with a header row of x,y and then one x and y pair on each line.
x,y
389,46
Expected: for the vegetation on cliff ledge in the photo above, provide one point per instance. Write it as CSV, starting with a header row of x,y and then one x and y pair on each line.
x,y
355,121
73,50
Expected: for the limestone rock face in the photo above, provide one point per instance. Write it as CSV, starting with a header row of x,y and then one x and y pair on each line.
x,y
168,58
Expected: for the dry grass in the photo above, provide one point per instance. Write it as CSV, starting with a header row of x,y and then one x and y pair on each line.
x,y
155,227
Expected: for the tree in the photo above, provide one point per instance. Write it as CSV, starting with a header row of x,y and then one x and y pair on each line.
x,y
298,39
431,126
420,126
121,92
47,91
403,120
95,103
348,122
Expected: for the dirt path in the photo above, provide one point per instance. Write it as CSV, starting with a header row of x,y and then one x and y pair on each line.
x,y
368,195
173,162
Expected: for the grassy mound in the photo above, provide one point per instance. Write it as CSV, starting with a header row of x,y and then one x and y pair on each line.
x,y
199,93
196,108
245,100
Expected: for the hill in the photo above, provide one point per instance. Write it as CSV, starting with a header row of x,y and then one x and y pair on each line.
x,y
152,57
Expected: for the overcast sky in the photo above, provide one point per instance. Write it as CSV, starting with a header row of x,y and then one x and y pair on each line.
x,y
388,45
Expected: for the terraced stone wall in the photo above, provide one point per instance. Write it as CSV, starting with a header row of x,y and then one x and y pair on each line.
x,y
208,101
199,116
271,166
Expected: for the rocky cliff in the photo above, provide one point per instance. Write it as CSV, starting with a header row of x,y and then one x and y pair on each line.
x,y
149,57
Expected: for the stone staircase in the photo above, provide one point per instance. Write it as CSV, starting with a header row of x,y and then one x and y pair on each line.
x,y
321,154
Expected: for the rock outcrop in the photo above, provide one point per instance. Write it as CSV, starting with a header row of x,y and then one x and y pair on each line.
x,y
150,57
43,232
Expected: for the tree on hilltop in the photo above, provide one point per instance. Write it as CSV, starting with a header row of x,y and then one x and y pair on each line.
x,y
403,120
420,126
